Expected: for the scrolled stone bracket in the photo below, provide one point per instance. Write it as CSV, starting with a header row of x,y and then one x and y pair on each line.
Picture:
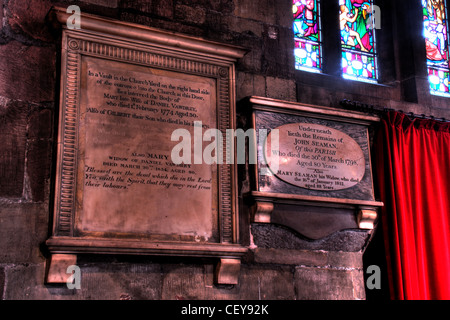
x,y
366,218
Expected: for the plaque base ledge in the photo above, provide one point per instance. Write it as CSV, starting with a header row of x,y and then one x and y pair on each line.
x,y
64,251
312,200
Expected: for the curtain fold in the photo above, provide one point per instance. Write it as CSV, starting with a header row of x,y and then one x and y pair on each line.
x,y
413,174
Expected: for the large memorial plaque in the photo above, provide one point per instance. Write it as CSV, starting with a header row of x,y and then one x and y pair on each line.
x,y
129,96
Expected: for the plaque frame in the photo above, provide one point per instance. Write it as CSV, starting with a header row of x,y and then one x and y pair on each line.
x,y
356,213
130,43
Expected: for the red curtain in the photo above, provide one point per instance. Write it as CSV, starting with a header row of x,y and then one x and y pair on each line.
x,y
413,173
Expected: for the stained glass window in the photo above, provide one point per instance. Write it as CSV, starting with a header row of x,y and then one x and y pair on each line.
x,y
307,35
359,56
437,46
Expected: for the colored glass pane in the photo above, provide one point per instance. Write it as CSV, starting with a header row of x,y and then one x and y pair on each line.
x,y
358,66
439,80
359,61
435,25
307,35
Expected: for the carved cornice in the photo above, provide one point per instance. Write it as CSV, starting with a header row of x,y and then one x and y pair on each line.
x,y
115,28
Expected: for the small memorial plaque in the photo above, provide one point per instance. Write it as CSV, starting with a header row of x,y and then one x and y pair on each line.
x,y
316,157
312,170
320,153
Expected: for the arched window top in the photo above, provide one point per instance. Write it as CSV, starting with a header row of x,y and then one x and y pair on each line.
x,y
435,27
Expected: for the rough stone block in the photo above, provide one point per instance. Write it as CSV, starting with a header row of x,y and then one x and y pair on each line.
x,y
259,85
192,282
189,14
24,227
98,282
13,132
162,8
251,62
27,73
2,282
1,17
329,284
278,88
316,95
104,3
26,282
443,112
292,257
245,26
184,282
266,283
244,81
38,169
254,10
138,5
40,124
120,281
217,27
28,17
162,24
352,260
283,12
222,6
339,259
278,46
249,85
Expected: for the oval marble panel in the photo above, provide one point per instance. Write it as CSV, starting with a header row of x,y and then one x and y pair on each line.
x,y
315,157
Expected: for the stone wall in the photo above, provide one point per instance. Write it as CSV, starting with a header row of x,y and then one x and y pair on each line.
x,y
281,264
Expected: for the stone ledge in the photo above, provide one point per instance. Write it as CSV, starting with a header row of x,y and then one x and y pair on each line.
x,y
320,259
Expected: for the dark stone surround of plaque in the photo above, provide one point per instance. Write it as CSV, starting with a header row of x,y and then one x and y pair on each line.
x,y
321,182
